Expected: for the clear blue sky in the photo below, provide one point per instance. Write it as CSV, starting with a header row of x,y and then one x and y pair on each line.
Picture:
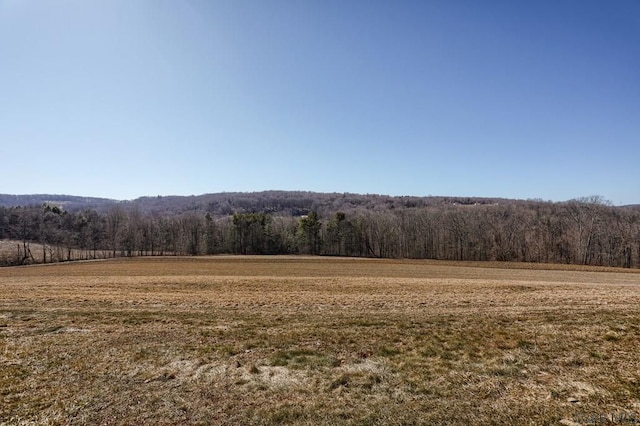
x,y
121,98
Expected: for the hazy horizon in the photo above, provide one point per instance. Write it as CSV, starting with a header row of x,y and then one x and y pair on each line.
x,y
120,99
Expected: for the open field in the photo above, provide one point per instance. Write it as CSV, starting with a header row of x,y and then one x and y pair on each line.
x,y
277,340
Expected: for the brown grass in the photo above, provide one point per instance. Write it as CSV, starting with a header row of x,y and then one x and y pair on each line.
x,y
295,340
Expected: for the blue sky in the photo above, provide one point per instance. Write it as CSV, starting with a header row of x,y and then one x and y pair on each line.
x,y
121,98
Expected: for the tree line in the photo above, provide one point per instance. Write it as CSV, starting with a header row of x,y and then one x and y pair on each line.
x,y
586,231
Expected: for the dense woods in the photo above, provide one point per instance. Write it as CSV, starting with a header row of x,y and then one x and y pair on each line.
x,y
585,231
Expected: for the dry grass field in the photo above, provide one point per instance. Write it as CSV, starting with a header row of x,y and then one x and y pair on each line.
x,y
295,340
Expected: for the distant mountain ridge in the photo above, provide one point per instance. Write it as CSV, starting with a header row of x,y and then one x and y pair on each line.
x,y
293,203
69,202
225,203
